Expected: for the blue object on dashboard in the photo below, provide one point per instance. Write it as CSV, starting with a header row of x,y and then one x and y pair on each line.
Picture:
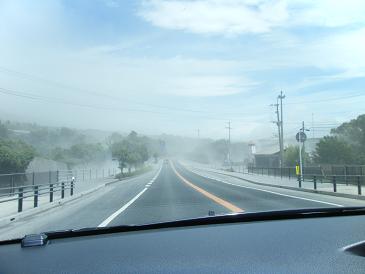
x,y
34,240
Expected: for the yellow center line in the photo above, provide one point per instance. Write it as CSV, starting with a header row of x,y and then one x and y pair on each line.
x,y
211,196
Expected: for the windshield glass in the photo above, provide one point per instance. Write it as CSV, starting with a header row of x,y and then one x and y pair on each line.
x,y
136,112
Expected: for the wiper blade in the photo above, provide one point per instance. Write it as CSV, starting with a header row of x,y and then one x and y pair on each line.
x,y
209,220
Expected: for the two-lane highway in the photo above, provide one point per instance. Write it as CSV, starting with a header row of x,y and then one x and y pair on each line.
x,y
169,192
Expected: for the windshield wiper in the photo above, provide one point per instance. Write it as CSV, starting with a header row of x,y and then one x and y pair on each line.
x,y
208,220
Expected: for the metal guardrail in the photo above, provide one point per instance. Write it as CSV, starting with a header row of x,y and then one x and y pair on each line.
x,y
21,186
335,180
35,191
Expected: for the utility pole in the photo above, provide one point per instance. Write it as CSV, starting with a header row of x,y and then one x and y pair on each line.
x,y
300,153
301,147
229,143
278,124
281,136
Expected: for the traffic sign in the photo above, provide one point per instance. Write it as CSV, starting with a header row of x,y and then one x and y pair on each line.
x,y
301,136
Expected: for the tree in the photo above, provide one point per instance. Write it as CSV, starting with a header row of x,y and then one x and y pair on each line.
x,y
4,133
15,156
291,156
353,133
130,152
79,153
155,156
114,138
333,150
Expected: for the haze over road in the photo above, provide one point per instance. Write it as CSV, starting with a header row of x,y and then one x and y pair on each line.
x,y
169,192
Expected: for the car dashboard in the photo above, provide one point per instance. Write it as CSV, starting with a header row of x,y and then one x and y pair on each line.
x,y
331,244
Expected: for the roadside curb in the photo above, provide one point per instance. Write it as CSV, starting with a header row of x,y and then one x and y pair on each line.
x,y
18,216
336,194
33,211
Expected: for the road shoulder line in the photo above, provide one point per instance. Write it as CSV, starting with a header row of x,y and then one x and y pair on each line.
x,y
264,190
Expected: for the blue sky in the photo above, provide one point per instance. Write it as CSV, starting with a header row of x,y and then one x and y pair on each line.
x,y
175,66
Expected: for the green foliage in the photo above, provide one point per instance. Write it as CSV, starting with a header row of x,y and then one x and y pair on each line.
x,y
114,138
353,133
15,156
132,151
347,146
79,153
4,133
134,173
291,156
333,150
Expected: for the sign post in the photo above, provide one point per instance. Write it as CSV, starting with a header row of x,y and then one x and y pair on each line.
x,y
301,138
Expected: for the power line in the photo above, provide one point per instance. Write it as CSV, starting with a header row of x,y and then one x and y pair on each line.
x,y
37,97
327,99
103,95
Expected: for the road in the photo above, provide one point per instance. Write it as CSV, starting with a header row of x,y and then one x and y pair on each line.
x,y
169,192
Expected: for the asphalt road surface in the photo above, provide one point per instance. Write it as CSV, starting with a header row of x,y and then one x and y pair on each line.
x,y
170,192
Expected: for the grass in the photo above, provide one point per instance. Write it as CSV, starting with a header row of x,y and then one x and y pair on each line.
x,y
134,173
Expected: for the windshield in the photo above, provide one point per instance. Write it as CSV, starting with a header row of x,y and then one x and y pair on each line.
x,y
137,112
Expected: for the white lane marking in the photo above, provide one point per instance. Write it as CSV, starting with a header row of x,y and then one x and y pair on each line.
x,y
272,192
119,211
116,213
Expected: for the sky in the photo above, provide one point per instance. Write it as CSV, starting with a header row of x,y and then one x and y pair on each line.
x,y
174,67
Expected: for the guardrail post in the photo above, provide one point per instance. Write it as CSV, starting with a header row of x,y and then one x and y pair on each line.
x,y
35,196
12,184
50,193
334,184
315,182
20,199
289,173
299,181
62,190
358,185
72,188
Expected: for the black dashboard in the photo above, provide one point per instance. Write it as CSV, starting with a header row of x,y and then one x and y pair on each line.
x,y
298,245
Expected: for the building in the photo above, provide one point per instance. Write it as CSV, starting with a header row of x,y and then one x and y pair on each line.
x,y
267,160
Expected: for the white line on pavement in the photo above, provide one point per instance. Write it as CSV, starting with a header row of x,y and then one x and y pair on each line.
x,y
119,211
268,191
116,213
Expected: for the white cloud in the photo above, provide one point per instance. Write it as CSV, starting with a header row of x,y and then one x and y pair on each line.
x,y
327,13
172,76
232,17
215,16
